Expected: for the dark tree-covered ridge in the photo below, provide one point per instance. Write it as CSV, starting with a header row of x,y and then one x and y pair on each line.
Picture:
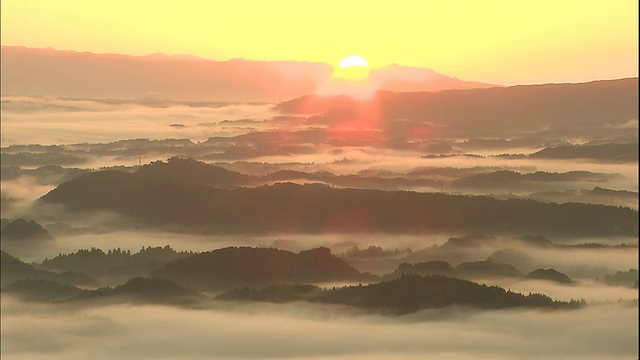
x,y
115,262
508,110
550,274
314,208
232,267
23,231
13,269
406,294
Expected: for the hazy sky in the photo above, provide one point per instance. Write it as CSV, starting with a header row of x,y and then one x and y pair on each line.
x,y
506,42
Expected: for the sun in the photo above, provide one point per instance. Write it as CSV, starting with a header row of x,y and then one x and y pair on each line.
x,y
353,61
350,77
352,68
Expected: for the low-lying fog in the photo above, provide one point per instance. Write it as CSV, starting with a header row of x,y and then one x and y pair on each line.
x,y
586,266
52,121
305,331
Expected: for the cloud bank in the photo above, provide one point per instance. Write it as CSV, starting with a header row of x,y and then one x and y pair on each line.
x,y
319,332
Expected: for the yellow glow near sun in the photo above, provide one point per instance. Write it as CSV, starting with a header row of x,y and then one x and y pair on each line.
x,y
493,41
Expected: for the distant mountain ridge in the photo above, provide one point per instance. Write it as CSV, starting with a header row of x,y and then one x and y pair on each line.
x,y
399,78
62,73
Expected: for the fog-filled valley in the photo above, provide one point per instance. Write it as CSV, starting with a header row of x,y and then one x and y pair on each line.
x,y
488,223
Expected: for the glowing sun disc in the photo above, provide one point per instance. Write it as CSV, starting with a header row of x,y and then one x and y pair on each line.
x,y
353,61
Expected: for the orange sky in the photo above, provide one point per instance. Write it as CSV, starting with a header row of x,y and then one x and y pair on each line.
x,y
504,42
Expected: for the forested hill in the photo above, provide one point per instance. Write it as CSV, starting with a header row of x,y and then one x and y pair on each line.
x,y
407,294
233,267
320,209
